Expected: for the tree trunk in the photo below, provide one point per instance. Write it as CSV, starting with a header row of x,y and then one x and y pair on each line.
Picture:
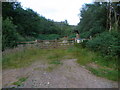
x,y
110,19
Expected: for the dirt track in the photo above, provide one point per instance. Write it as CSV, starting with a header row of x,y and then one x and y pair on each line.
x,y
67,75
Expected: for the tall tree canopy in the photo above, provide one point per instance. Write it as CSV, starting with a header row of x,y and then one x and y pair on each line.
x,y
29,25
101,21
95,17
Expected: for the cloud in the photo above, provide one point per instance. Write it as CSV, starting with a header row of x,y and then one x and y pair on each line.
x,y
57,10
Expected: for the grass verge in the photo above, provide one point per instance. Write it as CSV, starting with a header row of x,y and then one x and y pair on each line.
x,y
22,58
103,72
27,56
54,57
108,67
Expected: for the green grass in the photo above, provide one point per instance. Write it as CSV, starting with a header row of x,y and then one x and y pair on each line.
x,y
83,56
103,72
54,56
108,67
105,61
27,56
22,58
55,62
20,81
50,68
86,56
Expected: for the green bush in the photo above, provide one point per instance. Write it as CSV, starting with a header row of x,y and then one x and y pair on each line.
x,y
85,34
48,37
71,36
9,34
42,37
83,44
106,43
53,36
30,38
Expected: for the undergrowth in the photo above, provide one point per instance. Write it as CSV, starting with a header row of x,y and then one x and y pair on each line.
x,y
108,66
22,58
20,81
104,72
54,57
27,56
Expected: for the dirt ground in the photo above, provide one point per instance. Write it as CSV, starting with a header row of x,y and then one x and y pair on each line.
x,y
67,75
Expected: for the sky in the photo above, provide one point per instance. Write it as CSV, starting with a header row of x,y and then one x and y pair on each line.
x,y
57,10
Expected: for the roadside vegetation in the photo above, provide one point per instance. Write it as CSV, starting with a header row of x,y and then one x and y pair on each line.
x,y
103,66
29,55
21,25
20,81
53,57
99,25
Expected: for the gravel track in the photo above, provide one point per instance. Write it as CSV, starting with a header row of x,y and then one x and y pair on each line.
x,y
67,75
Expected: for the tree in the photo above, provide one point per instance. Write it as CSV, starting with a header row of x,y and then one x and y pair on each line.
x,y
93,18
25,24
101,21
9,34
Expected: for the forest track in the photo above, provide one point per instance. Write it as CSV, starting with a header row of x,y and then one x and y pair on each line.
x,y
67,75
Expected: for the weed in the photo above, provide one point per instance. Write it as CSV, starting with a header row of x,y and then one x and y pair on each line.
x,y
55,62
85,56
21,58
20,81
53,57
103,72
50,68
27,56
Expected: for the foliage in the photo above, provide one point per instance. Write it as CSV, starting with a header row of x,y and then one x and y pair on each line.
x,y
21,58
107,68
93,19
48,37
85,34
94,25
106,43
28,25
53,36
83,44
53,57
26,56
72,36
55,62
9,34
20,81
42,37
102,72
